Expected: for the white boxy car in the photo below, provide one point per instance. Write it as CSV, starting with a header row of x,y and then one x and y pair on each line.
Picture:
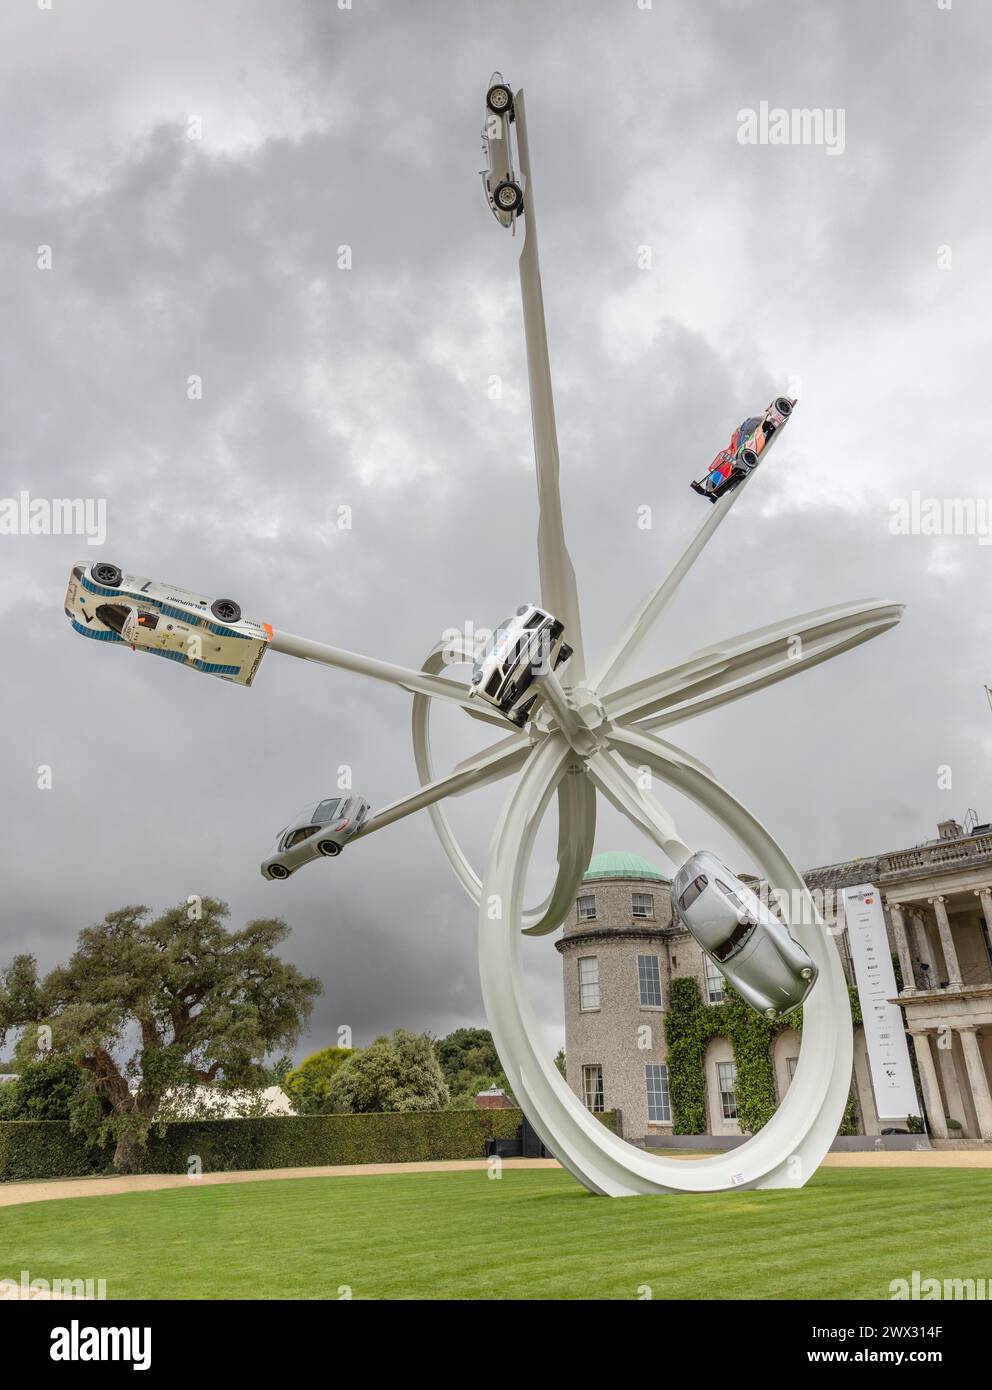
x,y
520,649
318,830
209,635
743,938
499,179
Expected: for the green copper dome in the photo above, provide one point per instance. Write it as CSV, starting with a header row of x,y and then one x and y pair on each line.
x,y
617,864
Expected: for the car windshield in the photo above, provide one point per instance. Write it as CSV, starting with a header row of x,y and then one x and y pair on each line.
x,y
734,941
693,891
729,892
326,811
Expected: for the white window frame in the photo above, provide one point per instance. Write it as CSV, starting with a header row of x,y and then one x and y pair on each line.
x,y
648,914
641,982
593,1072
714,981
725,1091
660,1093
580,914
588,983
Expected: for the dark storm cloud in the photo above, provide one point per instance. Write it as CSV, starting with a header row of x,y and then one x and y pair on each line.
x,y
368,388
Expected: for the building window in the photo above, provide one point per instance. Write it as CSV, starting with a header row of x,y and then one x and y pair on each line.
x,y
643,905
727,1078
585,907
588,982
715,992
592,1088
659,1104
649,981
791,1063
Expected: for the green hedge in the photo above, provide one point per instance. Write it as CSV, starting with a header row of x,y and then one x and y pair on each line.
x,y
47,1149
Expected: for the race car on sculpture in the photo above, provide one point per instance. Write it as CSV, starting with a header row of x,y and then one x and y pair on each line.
x,y
321,830
208,635
743,454
504,194
743,938
521,648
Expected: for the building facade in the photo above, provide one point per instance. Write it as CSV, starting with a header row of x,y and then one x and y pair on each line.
x,y
622,950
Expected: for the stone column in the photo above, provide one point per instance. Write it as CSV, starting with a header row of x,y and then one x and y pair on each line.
x,y
923,948
984,896
931,1088
979,1081
902,946
947,942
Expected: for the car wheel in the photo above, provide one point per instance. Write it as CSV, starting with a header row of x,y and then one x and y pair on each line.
x,y
107,575
226,610
749,459
499,99
508,196
278,871
329,847
783,406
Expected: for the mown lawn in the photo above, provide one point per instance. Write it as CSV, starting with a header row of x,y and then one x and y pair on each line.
x,y
531,1234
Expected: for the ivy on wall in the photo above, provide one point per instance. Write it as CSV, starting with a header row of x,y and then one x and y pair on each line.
x,y
689,1026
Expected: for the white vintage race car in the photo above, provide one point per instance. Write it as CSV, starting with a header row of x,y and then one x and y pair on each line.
x,y
209,635
499,178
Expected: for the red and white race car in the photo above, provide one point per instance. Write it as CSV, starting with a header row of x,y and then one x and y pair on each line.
x,y
743,454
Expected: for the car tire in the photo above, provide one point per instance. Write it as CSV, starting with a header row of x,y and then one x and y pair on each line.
x,y
330,848
508,196
499,99
748,459
107,575
225,610
278,871
783,406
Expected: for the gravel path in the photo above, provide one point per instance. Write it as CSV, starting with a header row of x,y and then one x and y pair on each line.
x,y
17,1193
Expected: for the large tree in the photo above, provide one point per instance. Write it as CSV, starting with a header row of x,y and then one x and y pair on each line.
x,y
400,1072
147,1006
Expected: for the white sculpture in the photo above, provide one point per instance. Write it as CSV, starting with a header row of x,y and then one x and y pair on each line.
x,y
587,736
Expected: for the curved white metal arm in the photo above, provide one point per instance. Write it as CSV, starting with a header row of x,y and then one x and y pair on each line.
x,y
620,786
558,588
729,670
576,817
576,834
786,1152
658,601
414,681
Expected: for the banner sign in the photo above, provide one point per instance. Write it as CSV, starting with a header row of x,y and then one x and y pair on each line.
x,y
885,1034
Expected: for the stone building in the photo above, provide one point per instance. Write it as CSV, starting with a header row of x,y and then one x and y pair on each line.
x,y
623,949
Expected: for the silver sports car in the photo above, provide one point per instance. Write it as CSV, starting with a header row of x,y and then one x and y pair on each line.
x,y
743,938
321,830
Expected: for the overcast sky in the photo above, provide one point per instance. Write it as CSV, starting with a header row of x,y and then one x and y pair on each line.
x,y
217,256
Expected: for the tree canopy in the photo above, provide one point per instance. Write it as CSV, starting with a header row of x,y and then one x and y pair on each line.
x,y
308,1085
399,1072
470,1064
